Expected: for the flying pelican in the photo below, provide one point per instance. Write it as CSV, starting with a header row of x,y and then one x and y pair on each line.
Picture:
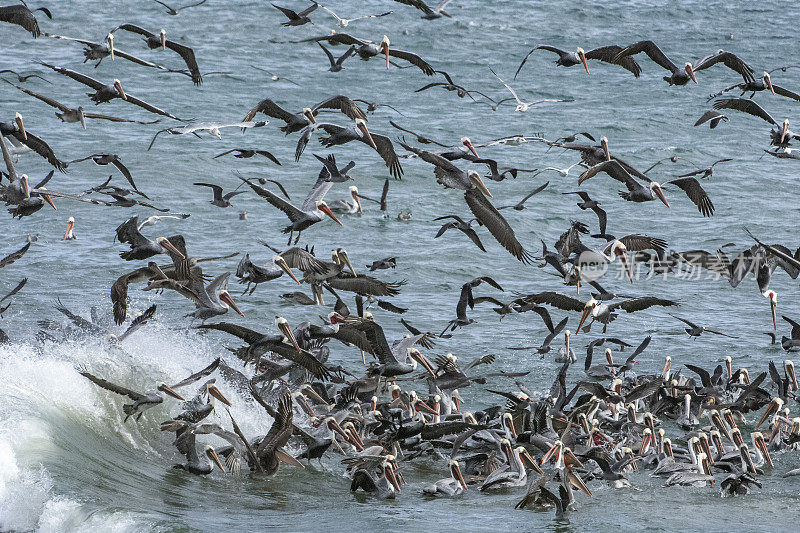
x,y
141,246
639,193
160,41
299,121
780,137
211,300
219,200
22,140
358,132
73,115
250,273
141,401
368,49
106,93
312,210
295,18
763,83
99,51
172,11
578,57
428,13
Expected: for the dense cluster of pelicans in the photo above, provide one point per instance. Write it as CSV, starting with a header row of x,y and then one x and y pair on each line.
x,y
693,426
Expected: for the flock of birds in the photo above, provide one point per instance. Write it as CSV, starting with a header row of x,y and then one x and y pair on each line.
x,y
686,425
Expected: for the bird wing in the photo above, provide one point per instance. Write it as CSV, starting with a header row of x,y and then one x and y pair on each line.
x,y
188,57
45,99
119,289
419,4
22,16
785,92
745,105
690,324
653,52
113,387
556,299
198,375
730,60
488,216
280,431
414,59
696,194
343,104
43,149
15,290
639,304
14,256
291,211
124,170
216,188
317,193
138,322
639,349
557,330
77,76
608,54
141,103
705,377
614,169
709,115
385,149
540,47
269,108
246,334
327,53
365,285
637,243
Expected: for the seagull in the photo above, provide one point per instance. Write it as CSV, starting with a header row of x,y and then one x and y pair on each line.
x,y
695,331
172,11
521,204
523,106
220,200
211,127
344,22
336,64
459,224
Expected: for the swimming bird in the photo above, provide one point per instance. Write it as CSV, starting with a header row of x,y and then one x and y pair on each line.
x,y
160,41
449,486
22,15
607,54
106,93
347,206
312,210
219,200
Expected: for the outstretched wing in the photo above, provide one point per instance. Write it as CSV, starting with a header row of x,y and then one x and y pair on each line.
x,y
696,194
488,216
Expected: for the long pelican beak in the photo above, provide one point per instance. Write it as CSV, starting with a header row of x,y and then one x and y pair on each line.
x,y
226,297
214,457
285,267
327,210
163,39
214,391
576,481
68,233
531,461
667,366
388,471
784,129
347,262
419,405
660,193
21,126
604,145
171,247
424,362
624,258
120,90
789,366
745,454
690,72
358,201
582,55
363,127
283,325
587,310
82,118
772,408
773,304
48,200
455,469
385,46
716,419
26,188
166,389
471,147
334,425
110,39
478,182
761,444
552,452
768,79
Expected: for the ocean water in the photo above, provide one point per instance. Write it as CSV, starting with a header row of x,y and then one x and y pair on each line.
x,y
67,461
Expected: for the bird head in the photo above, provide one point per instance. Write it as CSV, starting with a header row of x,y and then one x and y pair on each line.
x,y
322,206
582,56
690,71
280,262
163,36
659,192
119,89
166,389
361,124
588,307
211,453
283,326
773,304
384,47
20,126
768,81
466,142
70,225
225,297
110,41
476,181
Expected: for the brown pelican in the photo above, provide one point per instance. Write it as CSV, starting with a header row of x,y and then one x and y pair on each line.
x,y
211,300
348,207
18,192
715,117
99,51
141,401
607,54
512,475
780,136
269,451
186,443
116,161
21,15
295,18
141,246
299,121
763,83
72,115
68,235
313,209
374,475
250,273
449,486
22,78
173,11
106,93
683,76
336,64
640,193
21,139
160,41
368,49
338,135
